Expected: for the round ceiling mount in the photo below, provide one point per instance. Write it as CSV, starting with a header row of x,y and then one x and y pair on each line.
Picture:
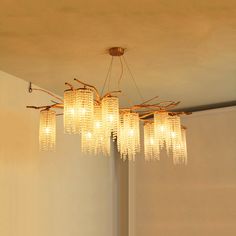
x,y
116,51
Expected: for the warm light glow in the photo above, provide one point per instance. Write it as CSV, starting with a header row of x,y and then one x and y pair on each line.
x,y
178,141
110,115
47,130
97,141
71,114
98,119
87,142
151,144
128,135
162,129
180,149
85,110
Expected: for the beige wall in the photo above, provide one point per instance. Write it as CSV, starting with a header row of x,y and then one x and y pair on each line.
x,y
197,200
48,194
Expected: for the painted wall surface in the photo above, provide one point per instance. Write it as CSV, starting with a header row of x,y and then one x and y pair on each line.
x,y
197,200
48,194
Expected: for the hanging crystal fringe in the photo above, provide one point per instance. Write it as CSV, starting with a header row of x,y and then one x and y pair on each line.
x,y
101,139
151,145
162,129
110,115
47,130
87,144
177,140
180,150
128,135
184,147
71,112
96,141
85,110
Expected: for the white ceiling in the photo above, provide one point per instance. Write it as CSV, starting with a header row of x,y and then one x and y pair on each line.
x,y
177,49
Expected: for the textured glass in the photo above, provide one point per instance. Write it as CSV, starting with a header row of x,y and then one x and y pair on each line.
x,y
151,144
162,129
47,130
85,110
177,140
71,114
180,150
110,115
97,141
129,135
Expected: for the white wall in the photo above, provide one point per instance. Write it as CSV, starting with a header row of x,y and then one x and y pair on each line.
x,y
197,200
48,194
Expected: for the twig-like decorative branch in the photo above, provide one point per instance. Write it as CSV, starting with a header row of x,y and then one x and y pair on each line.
x,y
57,105
150,100
91,86
109,93
70,85
45,91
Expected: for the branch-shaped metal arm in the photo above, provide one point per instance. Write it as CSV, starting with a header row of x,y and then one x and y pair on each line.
x,y
47,92
70,85
111,92
150,100
57,105
91,86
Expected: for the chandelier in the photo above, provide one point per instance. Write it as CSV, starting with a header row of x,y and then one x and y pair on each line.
x,y
99,119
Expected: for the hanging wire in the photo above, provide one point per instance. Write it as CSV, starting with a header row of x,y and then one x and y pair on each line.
x,y
107,76
121,74
134,81
109,79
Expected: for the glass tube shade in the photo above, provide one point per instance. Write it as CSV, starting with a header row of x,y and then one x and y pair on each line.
x,y
151,145
110,115
129,135
47,130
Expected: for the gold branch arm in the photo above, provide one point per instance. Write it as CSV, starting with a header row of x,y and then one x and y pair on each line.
x,y
111,92
91,86
57,105
70,85
49,93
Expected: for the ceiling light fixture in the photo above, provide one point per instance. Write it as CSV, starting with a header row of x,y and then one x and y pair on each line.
x,y
98,118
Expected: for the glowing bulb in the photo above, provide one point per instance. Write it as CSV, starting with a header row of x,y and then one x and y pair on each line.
x,y
173,134
110,118
151,141
162,128
89,135
83,111
131,133
97,124
47,130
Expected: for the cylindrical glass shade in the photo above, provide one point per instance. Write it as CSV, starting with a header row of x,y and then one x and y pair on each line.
x,y
101,139
87,145
96,141
162,129
71,114
85,110
47,130
176,135
151,144
129,135
110,115
184,158
78,110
